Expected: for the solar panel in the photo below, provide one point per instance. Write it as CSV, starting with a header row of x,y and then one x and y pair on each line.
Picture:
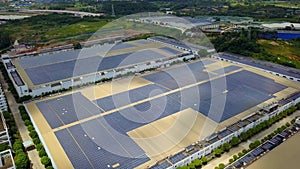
x,y
260,64
130,96
68,65
67,109
267,146
94,146
170,50
122,46
177,157
161,166
258,151
227,69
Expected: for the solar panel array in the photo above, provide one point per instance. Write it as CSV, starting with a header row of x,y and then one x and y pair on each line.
x,y
122,46
180,76
161,166
17,78
84,152
267,146
170,50
94,136
173,42
227,69
260,64
40,74
130,96
67,109
177,157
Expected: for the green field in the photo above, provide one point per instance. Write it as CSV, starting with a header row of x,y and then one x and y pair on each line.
x,y
285,51
53,28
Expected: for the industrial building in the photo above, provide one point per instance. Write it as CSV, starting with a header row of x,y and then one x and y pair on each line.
x,y
128,112
37,75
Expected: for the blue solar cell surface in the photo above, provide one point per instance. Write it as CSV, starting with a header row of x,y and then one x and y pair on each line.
x,y
224,133
67,109
227,69
170,50
85,146
40,73
122,46
244,90
136,116
161,166
248,62
177,157
267,146
173,42
128,97
73,151
142,41
258,151
180,76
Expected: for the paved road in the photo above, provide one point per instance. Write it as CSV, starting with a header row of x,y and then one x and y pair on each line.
x,y
226,156
33,154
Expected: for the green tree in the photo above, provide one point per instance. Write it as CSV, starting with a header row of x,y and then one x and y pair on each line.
x,y
77,45
204,160
235,141
226,147
21,160
218,152
197,163
17,145
203,53
5,40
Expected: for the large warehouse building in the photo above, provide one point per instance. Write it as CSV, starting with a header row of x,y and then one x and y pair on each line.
x,y
160,119
37,75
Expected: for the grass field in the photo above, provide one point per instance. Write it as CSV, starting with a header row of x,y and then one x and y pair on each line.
x,y
288,51
74,29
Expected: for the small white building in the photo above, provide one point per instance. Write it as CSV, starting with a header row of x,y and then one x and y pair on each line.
x,y
3,103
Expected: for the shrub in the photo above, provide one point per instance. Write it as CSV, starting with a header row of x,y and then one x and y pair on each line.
x,y
39,147
221,166
42,152
30,128
36,141
245,151
27,122
240,154
25,117
4,147
49,167
17,145
46,161
6,114
231,160
33,134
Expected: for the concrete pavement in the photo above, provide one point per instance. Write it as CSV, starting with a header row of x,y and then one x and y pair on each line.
x,y
13,105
